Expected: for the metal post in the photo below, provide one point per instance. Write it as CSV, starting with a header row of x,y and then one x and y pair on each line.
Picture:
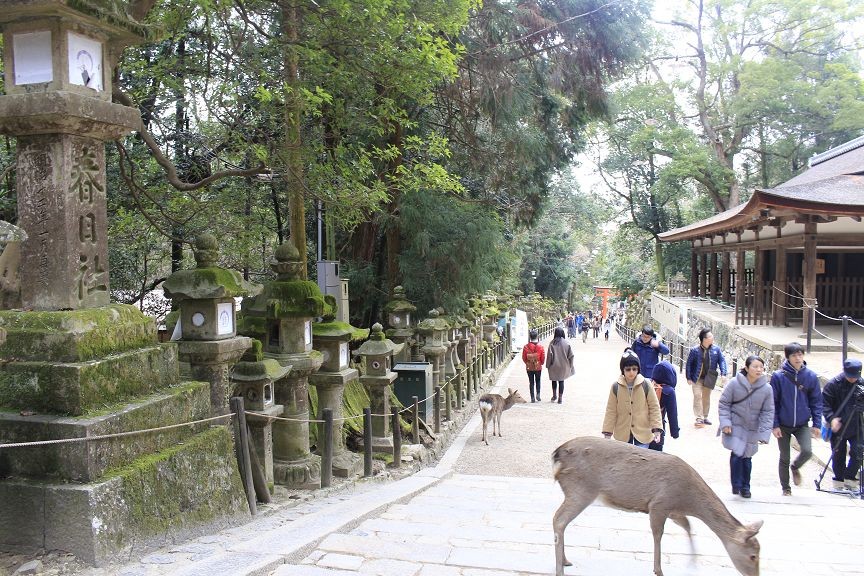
x,y
367,441
845,335
397,437
241,439
436,409
415,416
811,312
448,398
327,448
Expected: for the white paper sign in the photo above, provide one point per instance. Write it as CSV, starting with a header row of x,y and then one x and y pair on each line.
x,y
32,60
308,333
85,62
225,318
343,354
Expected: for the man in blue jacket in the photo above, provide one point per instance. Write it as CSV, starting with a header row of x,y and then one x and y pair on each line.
x,y
841,400
705,363
797,401
648,348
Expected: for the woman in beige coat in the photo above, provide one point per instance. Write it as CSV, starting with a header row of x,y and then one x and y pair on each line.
x,y
632,409
559,363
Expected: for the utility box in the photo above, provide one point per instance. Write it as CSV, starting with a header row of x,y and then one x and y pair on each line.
x,y
415,379
330,283
342,314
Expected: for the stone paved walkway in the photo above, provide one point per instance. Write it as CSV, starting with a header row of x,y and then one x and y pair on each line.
x,y
487,510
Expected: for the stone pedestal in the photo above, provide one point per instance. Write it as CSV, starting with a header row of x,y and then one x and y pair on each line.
x,y
210,361
261,431
331,389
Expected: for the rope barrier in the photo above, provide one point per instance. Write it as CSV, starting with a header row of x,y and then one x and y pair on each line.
x,y
826,336
115,435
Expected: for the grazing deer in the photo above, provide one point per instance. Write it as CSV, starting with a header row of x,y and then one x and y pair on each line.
x,y
639,480
492,405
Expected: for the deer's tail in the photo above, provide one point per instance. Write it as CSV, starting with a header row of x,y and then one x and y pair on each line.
x,y
485,408
557,465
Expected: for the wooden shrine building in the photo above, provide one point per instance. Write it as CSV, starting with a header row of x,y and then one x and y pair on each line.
x,y
798,245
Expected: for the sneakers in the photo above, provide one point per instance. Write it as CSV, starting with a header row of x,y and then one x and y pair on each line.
x,y
745,493
559,400
851,485
736,490
699,424
554,398
796,476
787,491
706,422
838,485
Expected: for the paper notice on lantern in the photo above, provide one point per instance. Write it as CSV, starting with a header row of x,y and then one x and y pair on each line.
x,y
308,333
85,61
343,354
225,315
32,57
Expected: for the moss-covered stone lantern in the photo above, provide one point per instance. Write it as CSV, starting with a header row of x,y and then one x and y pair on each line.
x,y
378,353
252,378
282,316
434,330
399,311
331,338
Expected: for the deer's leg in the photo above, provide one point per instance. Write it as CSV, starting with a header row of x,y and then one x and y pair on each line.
x,y
685,524
485,422
498,419
572,506
658,520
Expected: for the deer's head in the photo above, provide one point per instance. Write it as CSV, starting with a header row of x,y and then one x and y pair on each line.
x,y
743,549
514,397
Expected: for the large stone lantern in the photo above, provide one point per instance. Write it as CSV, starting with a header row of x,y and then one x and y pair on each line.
x,y
434,330
208,326
378,352
331,338
399,311
58,70
282,317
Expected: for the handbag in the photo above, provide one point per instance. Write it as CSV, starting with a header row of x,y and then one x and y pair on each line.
x,y
710,379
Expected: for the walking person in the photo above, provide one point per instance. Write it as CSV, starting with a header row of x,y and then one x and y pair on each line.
x,y
746,418
649,348
606,327
797,401
705,363
595,326
559,362
586,325
665,377
841,410
533,356
632,409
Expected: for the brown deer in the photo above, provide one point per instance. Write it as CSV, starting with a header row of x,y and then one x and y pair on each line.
x,y
639,480
492,405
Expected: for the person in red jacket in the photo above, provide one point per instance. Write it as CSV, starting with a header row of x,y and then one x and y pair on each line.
x,y
533,356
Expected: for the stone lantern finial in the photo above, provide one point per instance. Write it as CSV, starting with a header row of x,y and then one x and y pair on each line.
x,y
377,332
287,262
206,250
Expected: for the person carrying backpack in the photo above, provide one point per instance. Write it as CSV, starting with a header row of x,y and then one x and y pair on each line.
x,y
632,409
665,380
533,356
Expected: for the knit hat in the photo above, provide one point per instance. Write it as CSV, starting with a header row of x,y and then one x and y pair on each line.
x,y
664,373
629,358
852,368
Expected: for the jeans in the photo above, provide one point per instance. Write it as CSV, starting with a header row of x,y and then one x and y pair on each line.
x,y
636,443
740,469
534,380
842,471
802,434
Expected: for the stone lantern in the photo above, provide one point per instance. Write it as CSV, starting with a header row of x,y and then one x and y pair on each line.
x,y
58,70
11,238
434,330
378,353
331,338
282,317
252,378
399,311
209,341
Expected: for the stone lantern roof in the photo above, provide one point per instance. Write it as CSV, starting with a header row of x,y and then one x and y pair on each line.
x,y
432,323
111,15
399,303
207,280
378,345
289,296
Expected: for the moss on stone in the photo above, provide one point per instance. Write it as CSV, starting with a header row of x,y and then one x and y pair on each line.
x,y
210,282
292,299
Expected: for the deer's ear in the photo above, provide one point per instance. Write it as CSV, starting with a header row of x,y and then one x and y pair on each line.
x,y
510,391
750,530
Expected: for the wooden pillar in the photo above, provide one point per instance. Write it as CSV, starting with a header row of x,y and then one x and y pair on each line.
x,y
712,276
694,272
740,287
759,312
703,275
781,284
726,278
809,270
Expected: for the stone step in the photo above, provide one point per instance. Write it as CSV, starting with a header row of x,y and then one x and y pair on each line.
x,y
87,461
180,491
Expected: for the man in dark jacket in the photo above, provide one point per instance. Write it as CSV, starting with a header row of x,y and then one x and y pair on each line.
x,y
841,397
664,375
648,348
797,400
705,363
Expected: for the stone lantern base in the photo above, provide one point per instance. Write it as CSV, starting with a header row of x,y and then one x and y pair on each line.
x,y
304,474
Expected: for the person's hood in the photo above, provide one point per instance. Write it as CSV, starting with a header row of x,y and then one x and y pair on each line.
x,y
638,382
664,373
761,381
787,367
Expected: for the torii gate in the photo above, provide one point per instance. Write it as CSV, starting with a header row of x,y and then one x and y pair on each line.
x,y
604,292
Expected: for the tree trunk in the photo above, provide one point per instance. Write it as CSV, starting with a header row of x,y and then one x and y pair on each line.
x,y
660,261
293,160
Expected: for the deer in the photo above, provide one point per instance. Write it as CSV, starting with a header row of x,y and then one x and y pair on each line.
x,y
639,480
492,405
